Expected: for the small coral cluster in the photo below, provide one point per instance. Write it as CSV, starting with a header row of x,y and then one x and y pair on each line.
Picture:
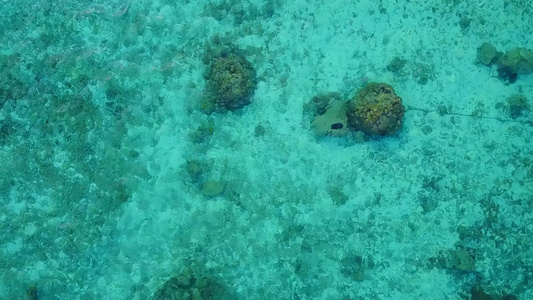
x,y
516,61
517,105
189,285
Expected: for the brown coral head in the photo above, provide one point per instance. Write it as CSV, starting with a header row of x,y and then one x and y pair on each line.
x,y
376,110
231,82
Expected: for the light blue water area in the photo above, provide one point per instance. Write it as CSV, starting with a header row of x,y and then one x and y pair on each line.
x,y
266,149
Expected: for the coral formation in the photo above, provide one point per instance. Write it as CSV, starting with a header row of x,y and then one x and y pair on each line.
x,y
423,73
212,188
190,285
396,64
329,115
517,104
459,259
320,103
231,82
517,61
487,54
477,293
376,110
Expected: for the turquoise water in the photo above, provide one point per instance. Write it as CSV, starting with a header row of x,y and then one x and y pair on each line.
x,y
119,180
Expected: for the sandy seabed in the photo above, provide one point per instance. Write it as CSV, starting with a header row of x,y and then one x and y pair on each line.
x,y
105,150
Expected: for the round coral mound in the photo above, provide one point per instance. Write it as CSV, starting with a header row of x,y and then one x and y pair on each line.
x,y
376,110
231,82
